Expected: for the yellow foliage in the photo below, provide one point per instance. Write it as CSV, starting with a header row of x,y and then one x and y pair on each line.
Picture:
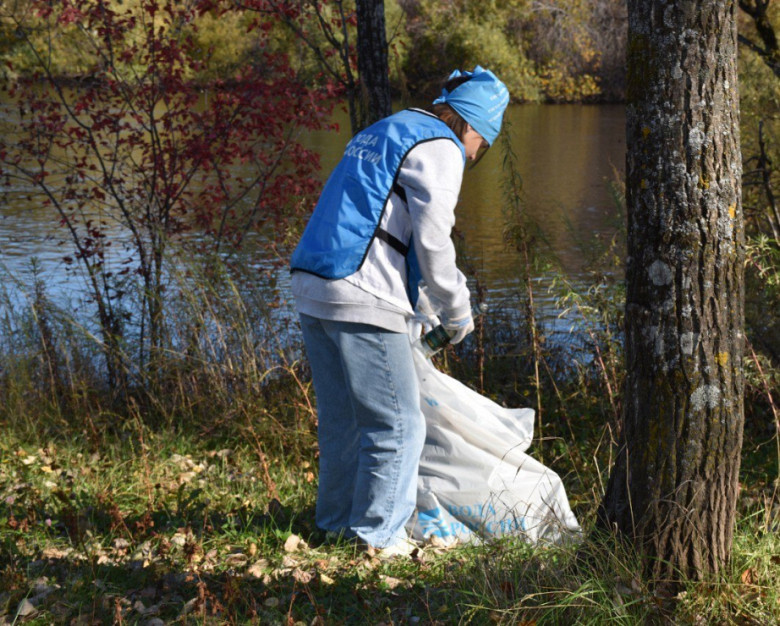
x,y
225,42
560,86
542,52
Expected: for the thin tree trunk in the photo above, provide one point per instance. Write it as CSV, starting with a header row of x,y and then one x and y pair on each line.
x,y
674,487
372,61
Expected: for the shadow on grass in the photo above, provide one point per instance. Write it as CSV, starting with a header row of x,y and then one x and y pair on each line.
x,y
306,587
93,567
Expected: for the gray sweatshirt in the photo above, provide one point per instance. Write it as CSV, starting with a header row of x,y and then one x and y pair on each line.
x,y
431,176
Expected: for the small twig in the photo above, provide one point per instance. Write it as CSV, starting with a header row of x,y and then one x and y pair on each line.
x,y
269,482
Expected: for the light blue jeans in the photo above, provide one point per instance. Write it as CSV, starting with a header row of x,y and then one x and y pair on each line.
x,y
371,429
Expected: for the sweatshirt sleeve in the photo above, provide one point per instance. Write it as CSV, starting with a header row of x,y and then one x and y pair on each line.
x,y
431,176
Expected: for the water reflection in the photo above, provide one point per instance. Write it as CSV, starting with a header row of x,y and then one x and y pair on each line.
x,y
566,155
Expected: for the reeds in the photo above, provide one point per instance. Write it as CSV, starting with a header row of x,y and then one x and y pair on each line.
x,y
228,354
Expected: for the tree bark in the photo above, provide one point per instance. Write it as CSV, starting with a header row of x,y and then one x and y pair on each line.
x,y
372,61
674,487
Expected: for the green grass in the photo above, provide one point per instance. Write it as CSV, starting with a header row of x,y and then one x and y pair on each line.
x,y
183,498
170,525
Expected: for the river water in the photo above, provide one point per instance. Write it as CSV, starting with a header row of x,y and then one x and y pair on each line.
x,y
567,156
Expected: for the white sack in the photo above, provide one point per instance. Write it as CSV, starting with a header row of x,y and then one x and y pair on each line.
x,y
475,479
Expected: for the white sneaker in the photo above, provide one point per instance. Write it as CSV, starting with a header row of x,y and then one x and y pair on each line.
x,y
405,548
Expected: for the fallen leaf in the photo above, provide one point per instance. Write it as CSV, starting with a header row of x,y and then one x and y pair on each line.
x,y
258,569
294,543
56,553
289,562
302,576
26,609
237,559
391,582
369,563
749,576
120,543
44,456
143,551
186,477
440,542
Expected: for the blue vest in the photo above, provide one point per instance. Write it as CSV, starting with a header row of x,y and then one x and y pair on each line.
x,y
346,219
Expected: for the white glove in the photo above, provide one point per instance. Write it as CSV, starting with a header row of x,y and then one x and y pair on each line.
x,y
425,315
458,327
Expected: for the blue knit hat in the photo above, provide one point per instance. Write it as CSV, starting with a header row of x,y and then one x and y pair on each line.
x,y
481,101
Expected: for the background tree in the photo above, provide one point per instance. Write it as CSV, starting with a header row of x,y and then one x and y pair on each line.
x,y
766,46
673,489
372,60
760,116
355,61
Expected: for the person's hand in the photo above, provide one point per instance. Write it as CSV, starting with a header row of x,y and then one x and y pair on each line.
x,y
425,313
458,327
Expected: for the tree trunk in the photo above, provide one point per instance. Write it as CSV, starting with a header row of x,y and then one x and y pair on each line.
x,y
372,61
673,490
